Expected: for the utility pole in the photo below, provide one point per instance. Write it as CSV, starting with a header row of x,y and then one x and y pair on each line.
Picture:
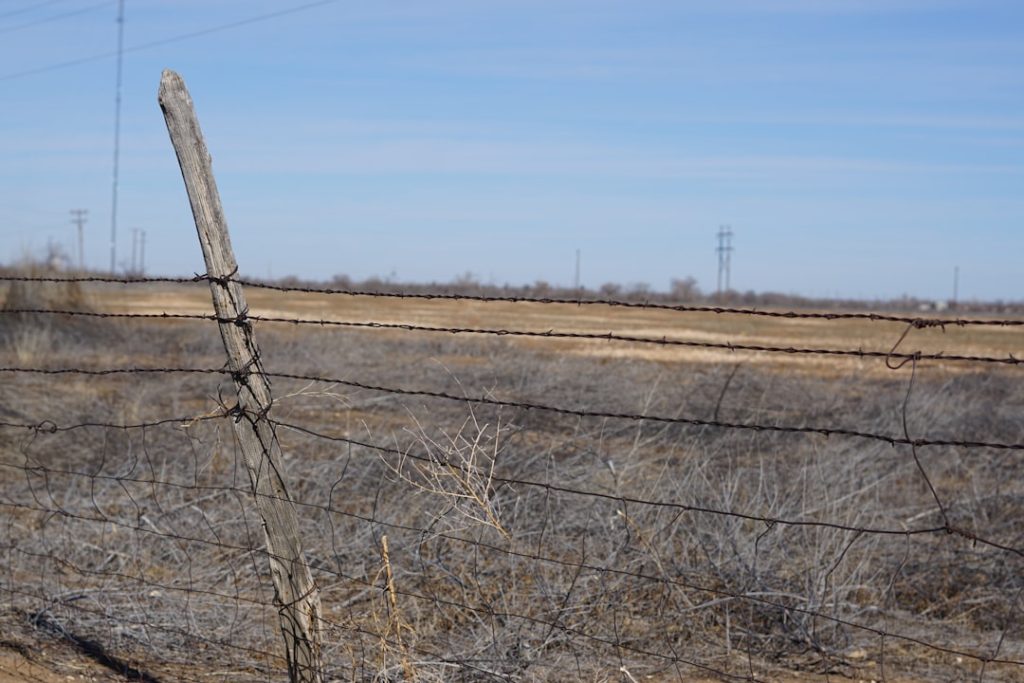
x,y
956,284
724,250
728,260
135,249
79,219
142,254
576,281
117,135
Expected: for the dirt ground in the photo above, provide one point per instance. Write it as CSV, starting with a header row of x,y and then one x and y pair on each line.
x,y
18,667
50,665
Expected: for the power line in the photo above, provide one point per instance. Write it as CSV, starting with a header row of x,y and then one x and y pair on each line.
x,y
55,17
165,41
30,8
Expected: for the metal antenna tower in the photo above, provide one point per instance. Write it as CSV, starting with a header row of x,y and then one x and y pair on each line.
x,y
724,250
117,135
79,219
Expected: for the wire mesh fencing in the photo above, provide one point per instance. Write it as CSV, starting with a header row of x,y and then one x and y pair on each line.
x,y
488,499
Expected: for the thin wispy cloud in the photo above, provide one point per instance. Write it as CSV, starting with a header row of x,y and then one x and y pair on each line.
x,y
460,156
824,7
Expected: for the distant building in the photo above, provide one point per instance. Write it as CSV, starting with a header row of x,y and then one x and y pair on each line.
x,y
937,306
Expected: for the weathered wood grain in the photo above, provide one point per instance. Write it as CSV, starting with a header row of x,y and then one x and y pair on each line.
x,y
296,594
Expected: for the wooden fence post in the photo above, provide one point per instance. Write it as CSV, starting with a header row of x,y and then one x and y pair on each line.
x,y
295,593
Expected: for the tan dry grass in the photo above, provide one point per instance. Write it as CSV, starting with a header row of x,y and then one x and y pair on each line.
x,y
775,476
697,326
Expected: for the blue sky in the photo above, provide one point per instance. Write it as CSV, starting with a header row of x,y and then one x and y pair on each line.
x,y
859,148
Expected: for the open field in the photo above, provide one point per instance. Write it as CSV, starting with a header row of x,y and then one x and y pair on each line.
x,y
709,327
525,544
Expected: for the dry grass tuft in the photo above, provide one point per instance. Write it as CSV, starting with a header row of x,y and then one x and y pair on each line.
x,y
392,638
32,337
457,469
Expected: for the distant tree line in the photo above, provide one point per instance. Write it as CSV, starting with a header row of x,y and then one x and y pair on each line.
x,y
683,290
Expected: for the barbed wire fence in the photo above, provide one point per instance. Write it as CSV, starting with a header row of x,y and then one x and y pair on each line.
x,y
509,512
121,516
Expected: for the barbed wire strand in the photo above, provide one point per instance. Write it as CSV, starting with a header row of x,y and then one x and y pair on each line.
x,y
916,321
769,522
149,583
50,427
890,439
434,599
190,589
732,347
535,556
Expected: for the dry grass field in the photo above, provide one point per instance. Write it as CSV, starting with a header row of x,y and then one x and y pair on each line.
x,y
524,544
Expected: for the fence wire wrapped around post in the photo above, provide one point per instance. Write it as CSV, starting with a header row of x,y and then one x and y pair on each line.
x,y
296,594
